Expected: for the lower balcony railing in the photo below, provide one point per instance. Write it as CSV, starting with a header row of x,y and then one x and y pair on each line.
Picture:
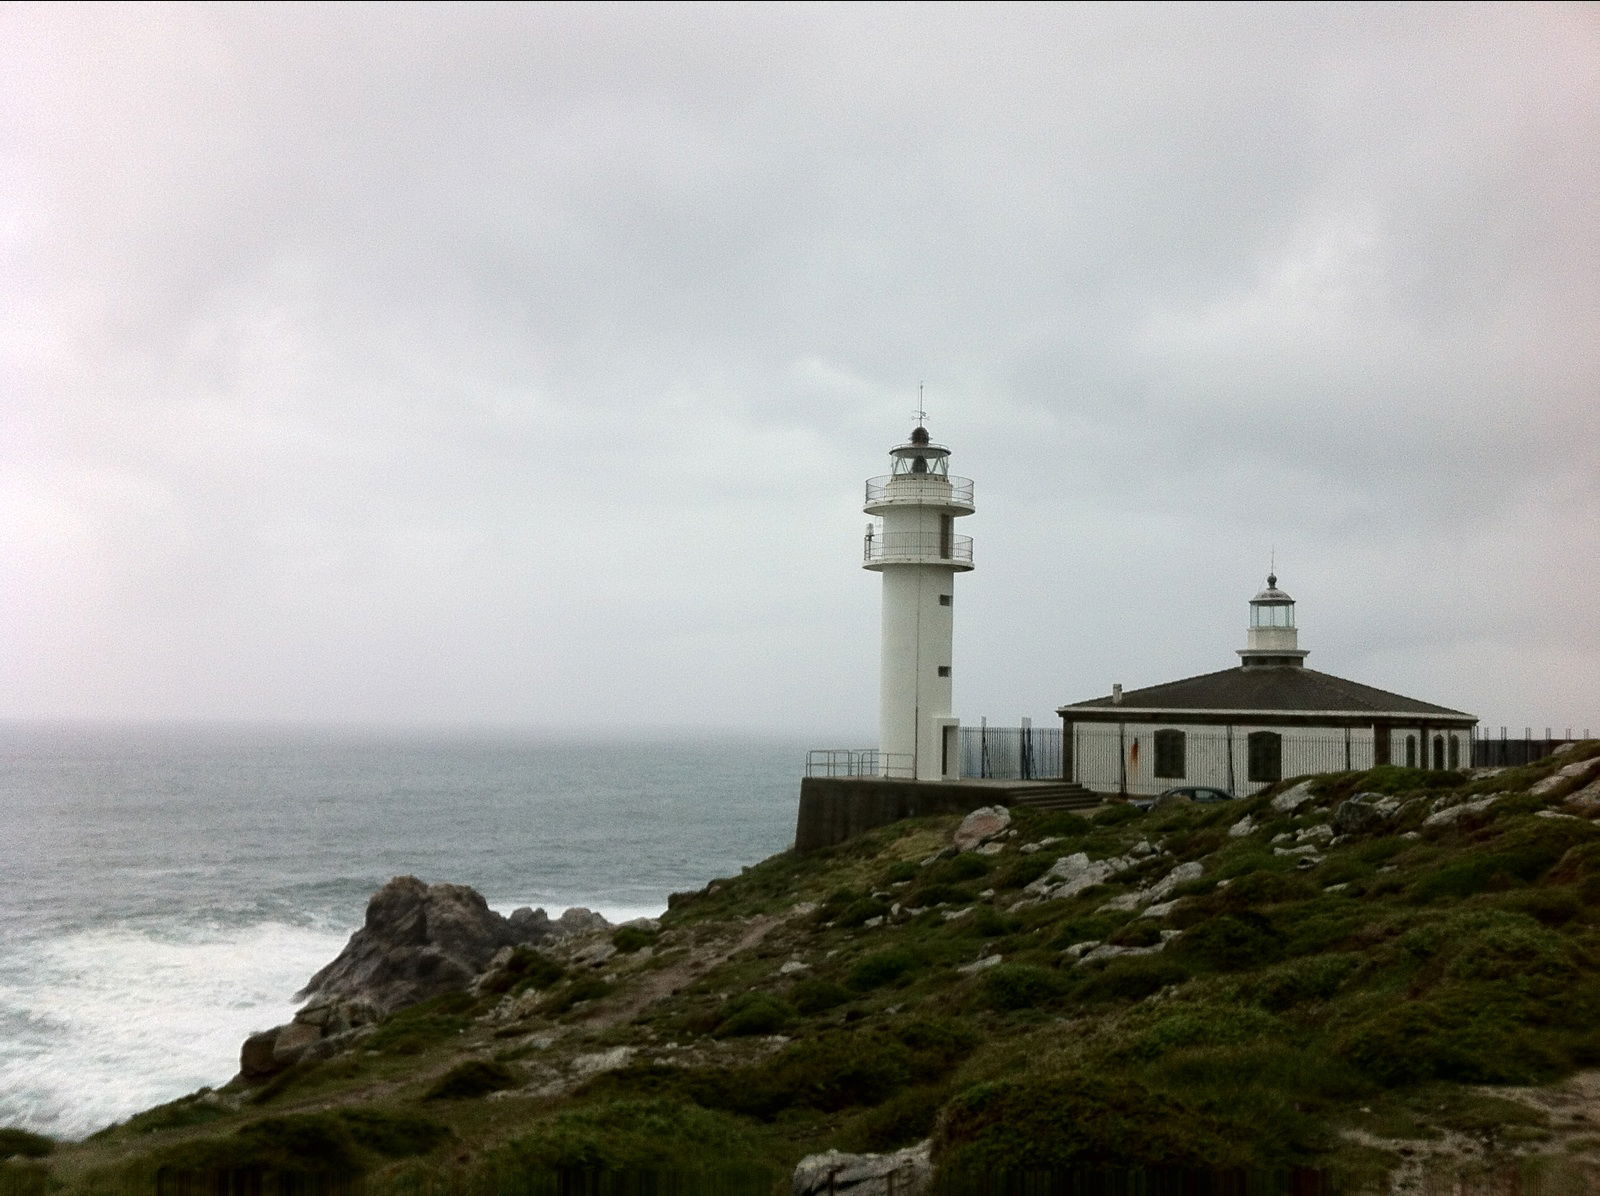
x,y
859,762
915,548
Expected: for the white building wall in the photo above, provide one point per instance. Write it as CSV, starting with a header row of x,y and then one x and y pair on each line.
x,y
1100,764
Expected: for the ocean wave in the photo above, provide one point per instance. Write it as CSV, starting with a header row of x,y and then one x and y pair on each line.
x,y
118,1019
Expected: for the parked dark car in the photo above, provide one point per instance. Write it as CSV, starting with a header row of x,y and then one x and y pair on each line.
x,y
1201,794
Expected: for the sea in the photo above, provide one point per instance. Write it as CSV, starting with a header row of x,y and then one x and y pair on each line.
x,y
166,890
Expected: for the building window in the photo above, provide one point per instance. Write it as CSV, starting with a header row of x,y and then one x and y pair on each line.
x,y
1266,756
1411,751
944,670
1169,755
1455,751
944,599
1438,753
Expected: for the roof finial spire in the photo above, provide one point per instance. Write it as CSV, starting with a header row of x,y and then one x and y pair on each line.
x,y
1272,568
922,414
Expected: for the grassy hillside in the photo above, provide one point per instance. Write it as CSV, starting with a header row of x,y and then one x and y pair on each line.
x,y
1362,991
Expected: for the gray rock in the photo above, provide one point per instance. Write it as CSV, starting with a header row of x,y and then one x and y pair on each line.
x,y
418,941
293,1041
1454,814
1072,874
1293,798
257,1060
1561,776
981,965
580,921
531,926
1245,826
1358,816
978,827
907,1172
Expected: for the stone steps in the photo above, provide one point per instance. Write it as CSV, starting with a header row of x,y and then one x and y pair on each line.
x,y
1050,796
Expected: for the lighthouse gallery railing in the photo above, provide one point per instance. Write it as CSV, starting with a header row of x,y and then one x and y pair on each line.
x,y
916,547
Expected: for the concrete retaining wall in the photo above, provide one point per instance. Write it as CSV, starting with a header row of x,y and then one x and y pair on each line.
x,y
833,809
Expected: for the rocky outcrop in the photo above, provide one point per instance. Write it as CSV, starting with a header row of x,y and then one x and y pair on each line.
x,y
418,941
907,1172
980,826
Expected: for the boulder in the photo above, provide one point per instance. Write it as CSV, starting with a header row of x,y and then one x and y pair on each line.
x,y
1358,815
907,1172
1072,874
1454,814
1579,769
1245,826
978,827
579,921
1293,798
293,1041
420,941
257,1059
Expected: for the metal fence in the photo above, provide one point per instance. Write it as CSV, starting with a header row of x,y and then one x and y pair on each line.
x,y
1011,753
857,762
1504,751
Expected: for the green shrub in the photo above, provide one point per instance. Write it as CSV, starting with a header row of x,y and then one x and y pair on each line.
x,y
1087,928
938,1044
966,866
1080,1119
903,871
883,967
1446,1037
525,969
1310,979
1140,932
393,1135
906,1117
986,922
817,995
1552,907
299,1144
1266,888
21,1144
1184,1025
185,1111
413,1030
754,1013
1023,870
1063,824
830,1072
475,1077
643,1138
859,913
1132,978
628,939
1229,943
939,893
583,988
1116,815
1011,986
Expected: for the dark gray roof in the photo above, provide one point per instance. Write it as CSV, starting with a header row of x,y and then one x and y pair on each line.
x,y
1279,690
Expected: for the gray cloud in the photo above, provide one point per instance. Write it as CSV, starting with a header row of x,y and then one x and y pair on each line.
x,y
523,363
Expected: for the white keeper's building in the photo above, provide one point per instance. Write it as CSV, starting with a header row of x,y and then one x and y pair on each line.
x,y
1244,728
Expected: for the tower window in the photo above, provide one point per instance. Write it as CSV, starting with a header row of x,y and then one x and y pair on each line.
x,y
944,670
944,599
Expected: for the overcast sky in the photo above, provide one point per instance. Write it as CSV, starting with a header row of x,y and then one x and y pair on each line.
x,y
522,365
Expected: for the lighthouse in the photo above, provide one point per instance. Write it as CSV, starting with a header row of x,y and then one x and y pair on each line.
x,y
912,542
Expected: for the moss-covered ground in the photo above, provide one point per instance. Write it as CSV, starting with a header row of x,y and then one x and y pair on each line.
x,y
1423,993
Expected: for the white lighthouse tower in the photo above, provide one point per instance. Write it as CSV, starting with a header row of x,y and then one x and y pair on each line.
x,y
912,542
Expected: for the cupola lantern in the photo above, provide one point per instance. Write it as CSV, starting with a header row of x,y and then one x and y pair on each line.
x,y
1273,636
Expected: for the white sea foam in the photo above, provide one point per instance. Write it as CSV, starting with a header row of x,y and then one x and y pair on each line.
x,y
113,1021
